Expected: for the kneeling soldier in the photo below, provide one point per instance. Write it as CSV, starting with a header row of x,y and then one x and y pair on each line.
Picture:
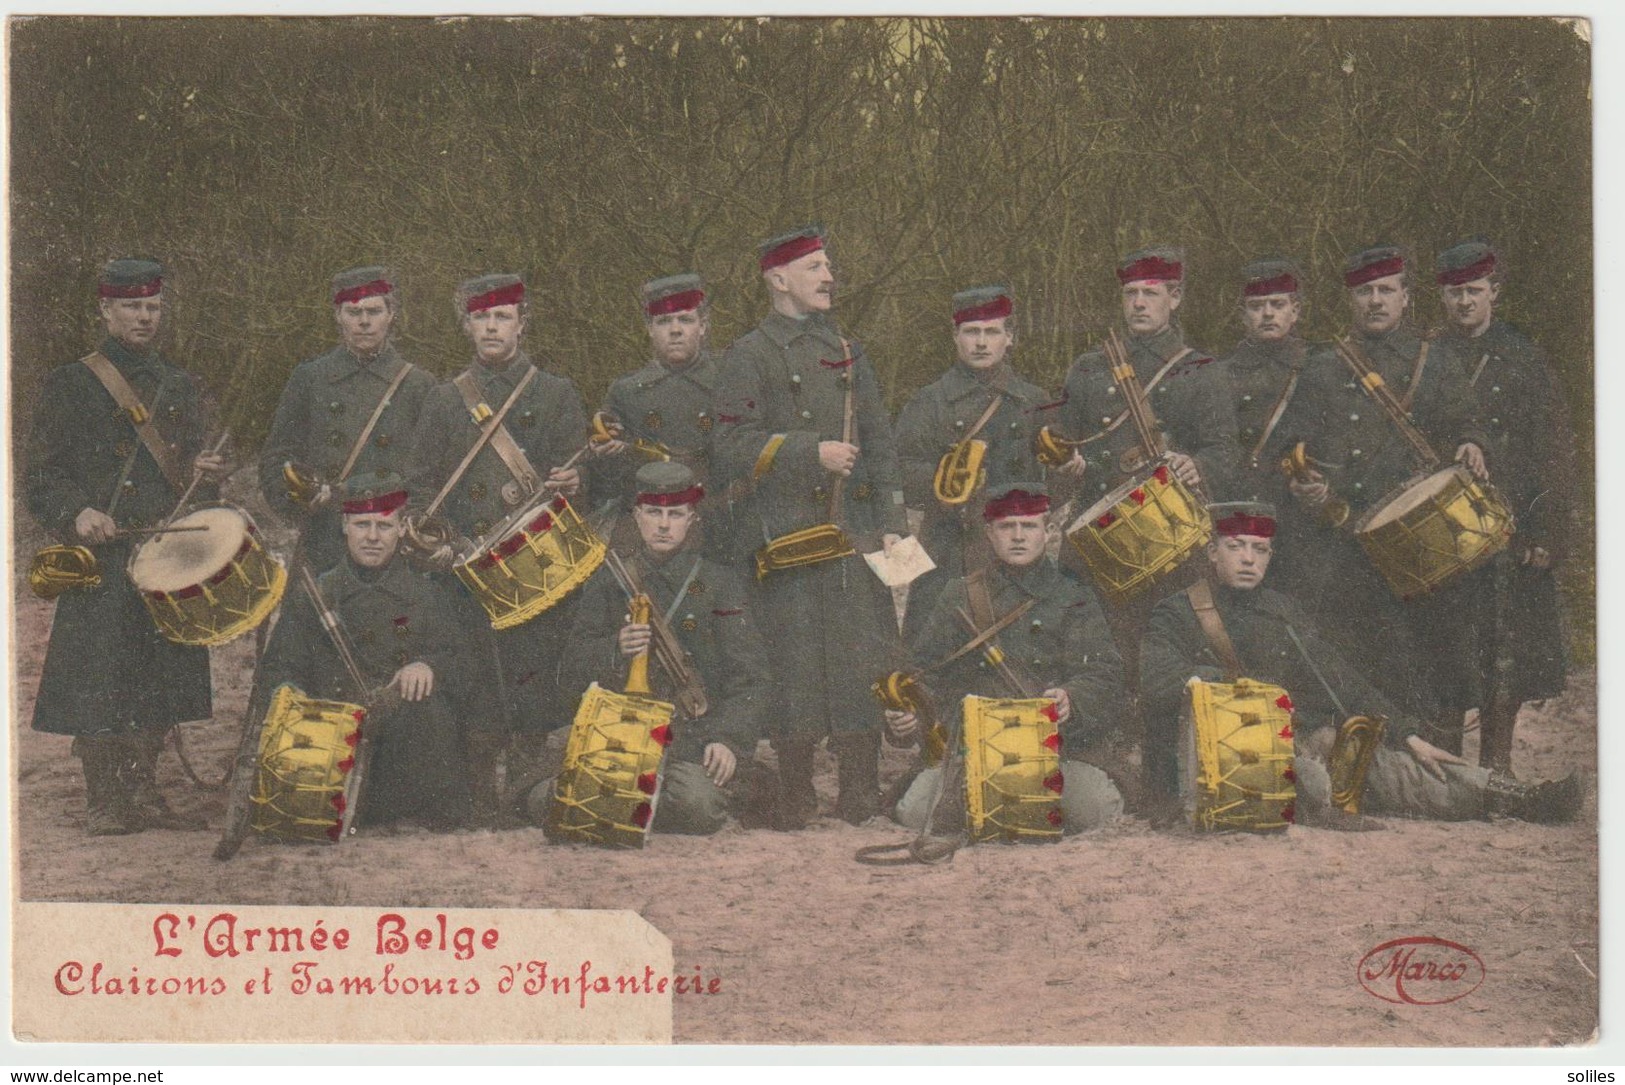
x,y
1264,635
704,607
1051,641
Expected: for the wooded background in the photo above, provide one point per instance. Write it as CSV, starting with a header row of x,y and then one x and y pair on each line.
x,y
256,157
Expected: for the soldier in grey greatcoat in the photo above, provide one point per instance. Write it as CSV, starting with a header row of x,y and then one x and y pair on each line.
x,y
784,429
545,426
953,410
110,679
1363,459
1517,653
329,425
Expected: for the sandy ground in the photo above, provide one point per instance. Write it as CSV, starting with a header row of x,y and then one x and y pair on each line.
x,y
1130,936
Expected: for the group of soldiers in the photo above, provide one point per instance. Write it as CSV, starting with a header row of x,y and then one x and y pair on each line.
x,y
748,493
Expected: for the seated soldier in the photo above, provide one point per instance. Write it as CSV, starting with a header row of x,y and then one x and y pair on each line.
x,y
1273,641
704,604
1058,646
407,641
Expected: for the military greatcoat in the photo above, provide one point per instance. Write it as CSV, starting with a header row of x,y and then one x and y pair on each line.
x,y
324,408
829,626
393,616
519,665
107,667
940,416
1189,403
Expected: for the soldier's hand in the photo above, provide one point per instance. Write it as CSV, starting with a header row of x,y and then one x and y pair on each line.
x,y
1473,457
838,456
1063,704
415,681
1313,492
212,466
1430,757
1185,469
608,448
94,526
566,480
442,559
1074,467
321,498
1537,557
633,639
901,725
720,763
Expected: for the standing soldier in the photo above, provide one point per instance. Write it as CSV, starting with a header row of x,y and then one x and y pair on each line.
x,y
1361,458
979,400
1518,652
542,428
117,438
799,416
664,410
347,412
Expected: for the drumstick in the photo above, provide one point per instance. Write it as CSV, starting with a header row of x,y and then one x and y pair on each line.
x,y
127,532
197,476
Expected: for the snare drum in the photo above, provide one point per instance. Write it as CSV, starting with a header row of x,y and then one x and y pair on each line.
x,y
531,561
1235,756
1012,770
1434,529
610,785
303,784
206,587
1140,532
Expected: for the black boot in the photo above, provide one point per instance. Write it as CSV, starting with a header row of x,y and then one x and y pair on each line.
x,y
484,748
797,805
1495,738
139,769
858,773
107,807
531,761
1550,802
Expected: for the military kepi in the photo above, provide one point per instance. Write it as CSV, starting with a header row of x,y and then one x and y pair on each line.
x,y
1162,263
1244,518
1377,262
666,484
1466,262
673,294
781,250
1262,278
1015,499
130,279
490,291
983,303
354,284
374,492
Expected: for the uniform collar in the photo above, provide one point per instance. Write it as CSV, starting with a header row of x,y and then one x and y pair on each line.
x,y
1164,344
487,377
350,580
126,360
785,329
1400,338
961,379
385,364
1037,580
701,371
1254,353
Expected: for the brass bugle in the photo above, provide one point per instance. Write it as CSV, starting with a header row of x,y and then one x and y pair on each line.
x,y
1296,465
1052,449
960,472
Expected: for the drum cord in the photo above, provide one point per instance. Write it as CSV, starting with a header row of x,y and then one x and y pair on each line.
x,y
192,774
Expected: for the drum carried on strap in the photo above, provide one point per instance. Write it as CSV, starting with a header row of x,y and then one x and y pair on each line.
x,y
610,784
205,587
1012,769
1140,533
530,561
303,784
1235,756
1434,529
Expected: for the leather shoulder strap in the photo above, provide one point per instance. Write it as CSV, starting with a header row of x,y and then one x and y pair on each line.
x,y
1156,379
140,418
1416,375
1207,616
372,423
501,441
987,415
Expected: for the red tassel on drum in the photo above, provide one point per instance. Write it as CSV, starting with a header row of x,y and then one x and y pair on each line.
x,y
334,831
1054,816
641,816
1284,702
1055,781
346,765
1138,496
1289,776
1161,475
1053,742
662,734
1050,712
540,525
1289,812
646,783
1106,521
1285,732
338,803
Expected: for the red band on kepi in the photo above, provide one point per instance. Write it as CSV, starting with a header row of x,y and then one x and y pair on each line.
x,y
1016,503
1151,267
1481,269
690,496
1243,523
675,303
1378,269
373,289
504,295
997,309
1280,284
130,290
793,249
382,504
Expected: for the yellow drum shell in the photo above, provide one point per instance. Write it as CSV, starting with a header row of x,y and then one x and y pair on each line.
x,y
1434,529
208,587
1235,756
531,561
303,783
1012,770
608,790
1140,533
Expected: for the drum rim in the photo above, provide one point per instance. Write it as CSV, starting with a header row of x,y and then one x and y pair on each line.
x,y
151,545
1364,523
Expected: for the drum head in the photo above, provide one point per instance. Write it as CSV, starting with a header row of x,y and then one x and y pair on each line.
x,y
1413,495
172,562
